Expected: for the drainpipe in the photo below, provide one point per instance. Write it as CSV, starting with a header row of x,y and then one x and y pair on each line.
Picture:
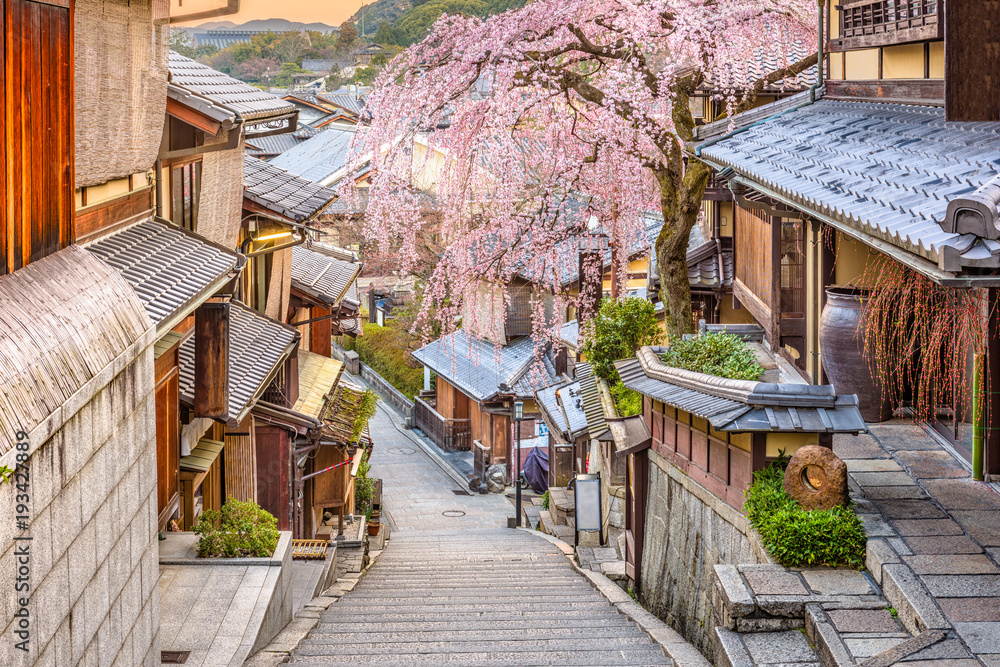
x,y
978,421
232,7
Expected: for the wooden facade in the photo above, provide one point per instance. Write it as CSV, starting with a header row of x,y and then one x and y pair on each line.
x,y
167,400
36,65
274,467
723,463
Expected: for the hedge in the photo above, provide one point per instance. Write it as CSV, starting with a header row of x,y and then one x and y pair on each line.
x,y
798,537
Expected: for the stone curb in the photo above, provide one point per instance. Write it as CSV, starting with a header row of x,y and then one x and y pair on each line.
x,y
279,651
678,649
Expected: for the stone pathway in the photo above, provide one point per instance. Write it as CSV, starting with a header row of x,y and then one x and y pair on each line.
x,y
455,585
936,539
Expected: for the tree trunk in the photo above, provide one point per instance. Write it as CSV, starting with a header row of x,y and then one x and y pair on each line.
x,y
680,204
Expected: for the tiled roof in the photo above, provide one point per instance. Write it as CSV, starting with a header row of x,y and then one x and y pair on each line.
x,y
257,346
319,157
169,269
590,395
249,102
569,334
738,405
276,144
321,274
478,368
765,61
564,403
887,170
282,192
702,264
347,99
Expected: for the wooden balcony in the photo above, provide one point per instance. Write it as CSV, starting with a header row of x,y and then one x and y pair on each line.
x,y
870,23
448,434
716,189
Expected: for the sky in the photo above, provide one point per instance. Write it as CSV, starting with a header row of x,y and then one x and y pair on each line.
x,y
331,12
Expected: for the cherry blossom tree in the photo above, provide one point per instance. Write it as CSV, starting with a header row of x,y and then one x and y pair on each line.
x,y
538,122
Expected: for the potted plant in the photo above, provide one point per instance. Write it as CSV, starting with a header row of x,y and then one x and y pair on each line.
x,y
373,524
238,530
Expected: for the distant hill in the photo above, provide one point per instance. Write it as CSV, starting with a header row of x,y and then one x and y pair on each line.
x,y
413,24
380,11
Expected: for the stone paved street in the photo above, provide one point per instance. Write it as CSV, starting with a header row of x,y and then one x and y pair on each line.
x,y
455,586
938,523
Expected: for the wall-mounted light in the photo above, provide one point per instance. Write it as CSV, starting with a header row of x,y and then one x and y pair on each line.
x,y
518,410
270,236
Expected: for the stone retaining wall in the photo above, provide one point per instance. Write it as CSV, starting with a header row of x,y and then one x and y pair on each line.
x,y
388,393
688,532
92,561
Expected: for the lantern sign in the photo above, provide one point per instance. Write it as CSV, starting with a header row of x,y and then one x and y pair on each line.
x,y
587,498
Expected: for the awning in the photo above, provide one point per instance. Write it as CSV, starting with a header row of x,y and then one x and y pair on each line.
x,y
258,346
171,269
631,435
592,408
202,456
318,376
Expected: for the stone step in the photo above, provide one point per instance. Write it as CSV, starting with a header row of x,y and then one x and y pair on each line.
x,y
495,634
631,658
558,622
491,593
348,605
408,614
309,647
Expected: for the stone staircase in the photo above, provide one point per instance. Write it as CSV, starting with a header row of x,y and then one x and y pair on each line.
x,y
560,520
484,597
772,615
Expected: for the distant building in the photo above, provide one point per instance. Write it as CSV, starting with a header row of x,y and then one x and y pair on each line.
x,y
318,66
362,57
222,39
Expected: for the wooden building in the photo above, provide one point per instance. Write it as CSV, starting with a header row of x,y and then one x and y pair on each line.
x,y
874,166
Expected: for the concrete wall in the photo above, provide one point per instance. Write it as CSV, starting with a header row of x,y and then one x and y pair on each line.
x,y
688,532
93,553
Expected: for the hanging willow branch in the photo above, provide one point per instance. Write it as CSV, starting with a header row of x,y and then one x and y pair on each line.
x,y
921,339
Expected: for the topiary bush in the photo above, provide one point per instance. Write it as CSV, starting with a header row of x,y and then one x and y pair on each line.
x,y
799,538
238,530
722,355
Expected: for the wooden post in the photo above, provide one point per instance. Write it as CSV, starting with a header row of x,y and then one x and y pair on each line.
x,y
211,359
972,60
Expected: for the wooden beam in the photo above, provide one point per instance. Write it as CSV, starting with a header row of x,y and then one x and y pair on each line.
x,y
905,91
211,359
100,219
972,60
192,117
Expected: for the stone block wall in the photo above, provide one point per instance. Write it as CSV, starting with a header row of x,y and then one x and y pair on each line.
x,y
688,532
93,557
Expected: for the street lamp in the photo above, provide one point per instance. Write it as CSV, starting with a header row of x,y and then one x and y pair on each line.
x,y
518,416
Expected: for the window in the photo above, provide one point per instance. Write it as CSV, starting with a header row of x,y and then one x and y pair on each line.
x,y
185,189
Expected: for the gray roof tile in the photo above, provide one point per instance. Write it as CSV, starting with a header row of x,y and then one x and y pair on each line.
x,y
257,345
282,192
249,102
168,268
478,368
318,157
886,169
322,274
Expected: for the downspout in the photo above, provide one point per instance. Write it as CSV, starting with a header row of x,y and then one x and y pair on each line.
x,y
232,7
978,417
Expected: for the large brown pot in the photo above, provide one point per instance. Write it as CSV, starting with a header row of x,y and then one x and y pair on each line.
x,y
840,343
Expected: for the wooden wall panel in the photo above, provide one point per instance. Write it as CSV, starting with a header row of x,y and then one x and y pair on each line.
x,y
972,60
241,462
36,218
167,401
322,332
753,253
274,450
104,218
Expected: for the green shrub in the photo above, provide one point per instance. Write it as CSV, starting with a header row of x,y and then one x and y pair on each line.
x,y
722,355
545,500
238,530
802,538
364,487
627,401
385,350
617,331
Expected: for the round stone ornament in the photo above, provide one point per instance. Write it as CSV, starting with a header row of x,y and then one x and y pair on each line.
x,y
816,478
